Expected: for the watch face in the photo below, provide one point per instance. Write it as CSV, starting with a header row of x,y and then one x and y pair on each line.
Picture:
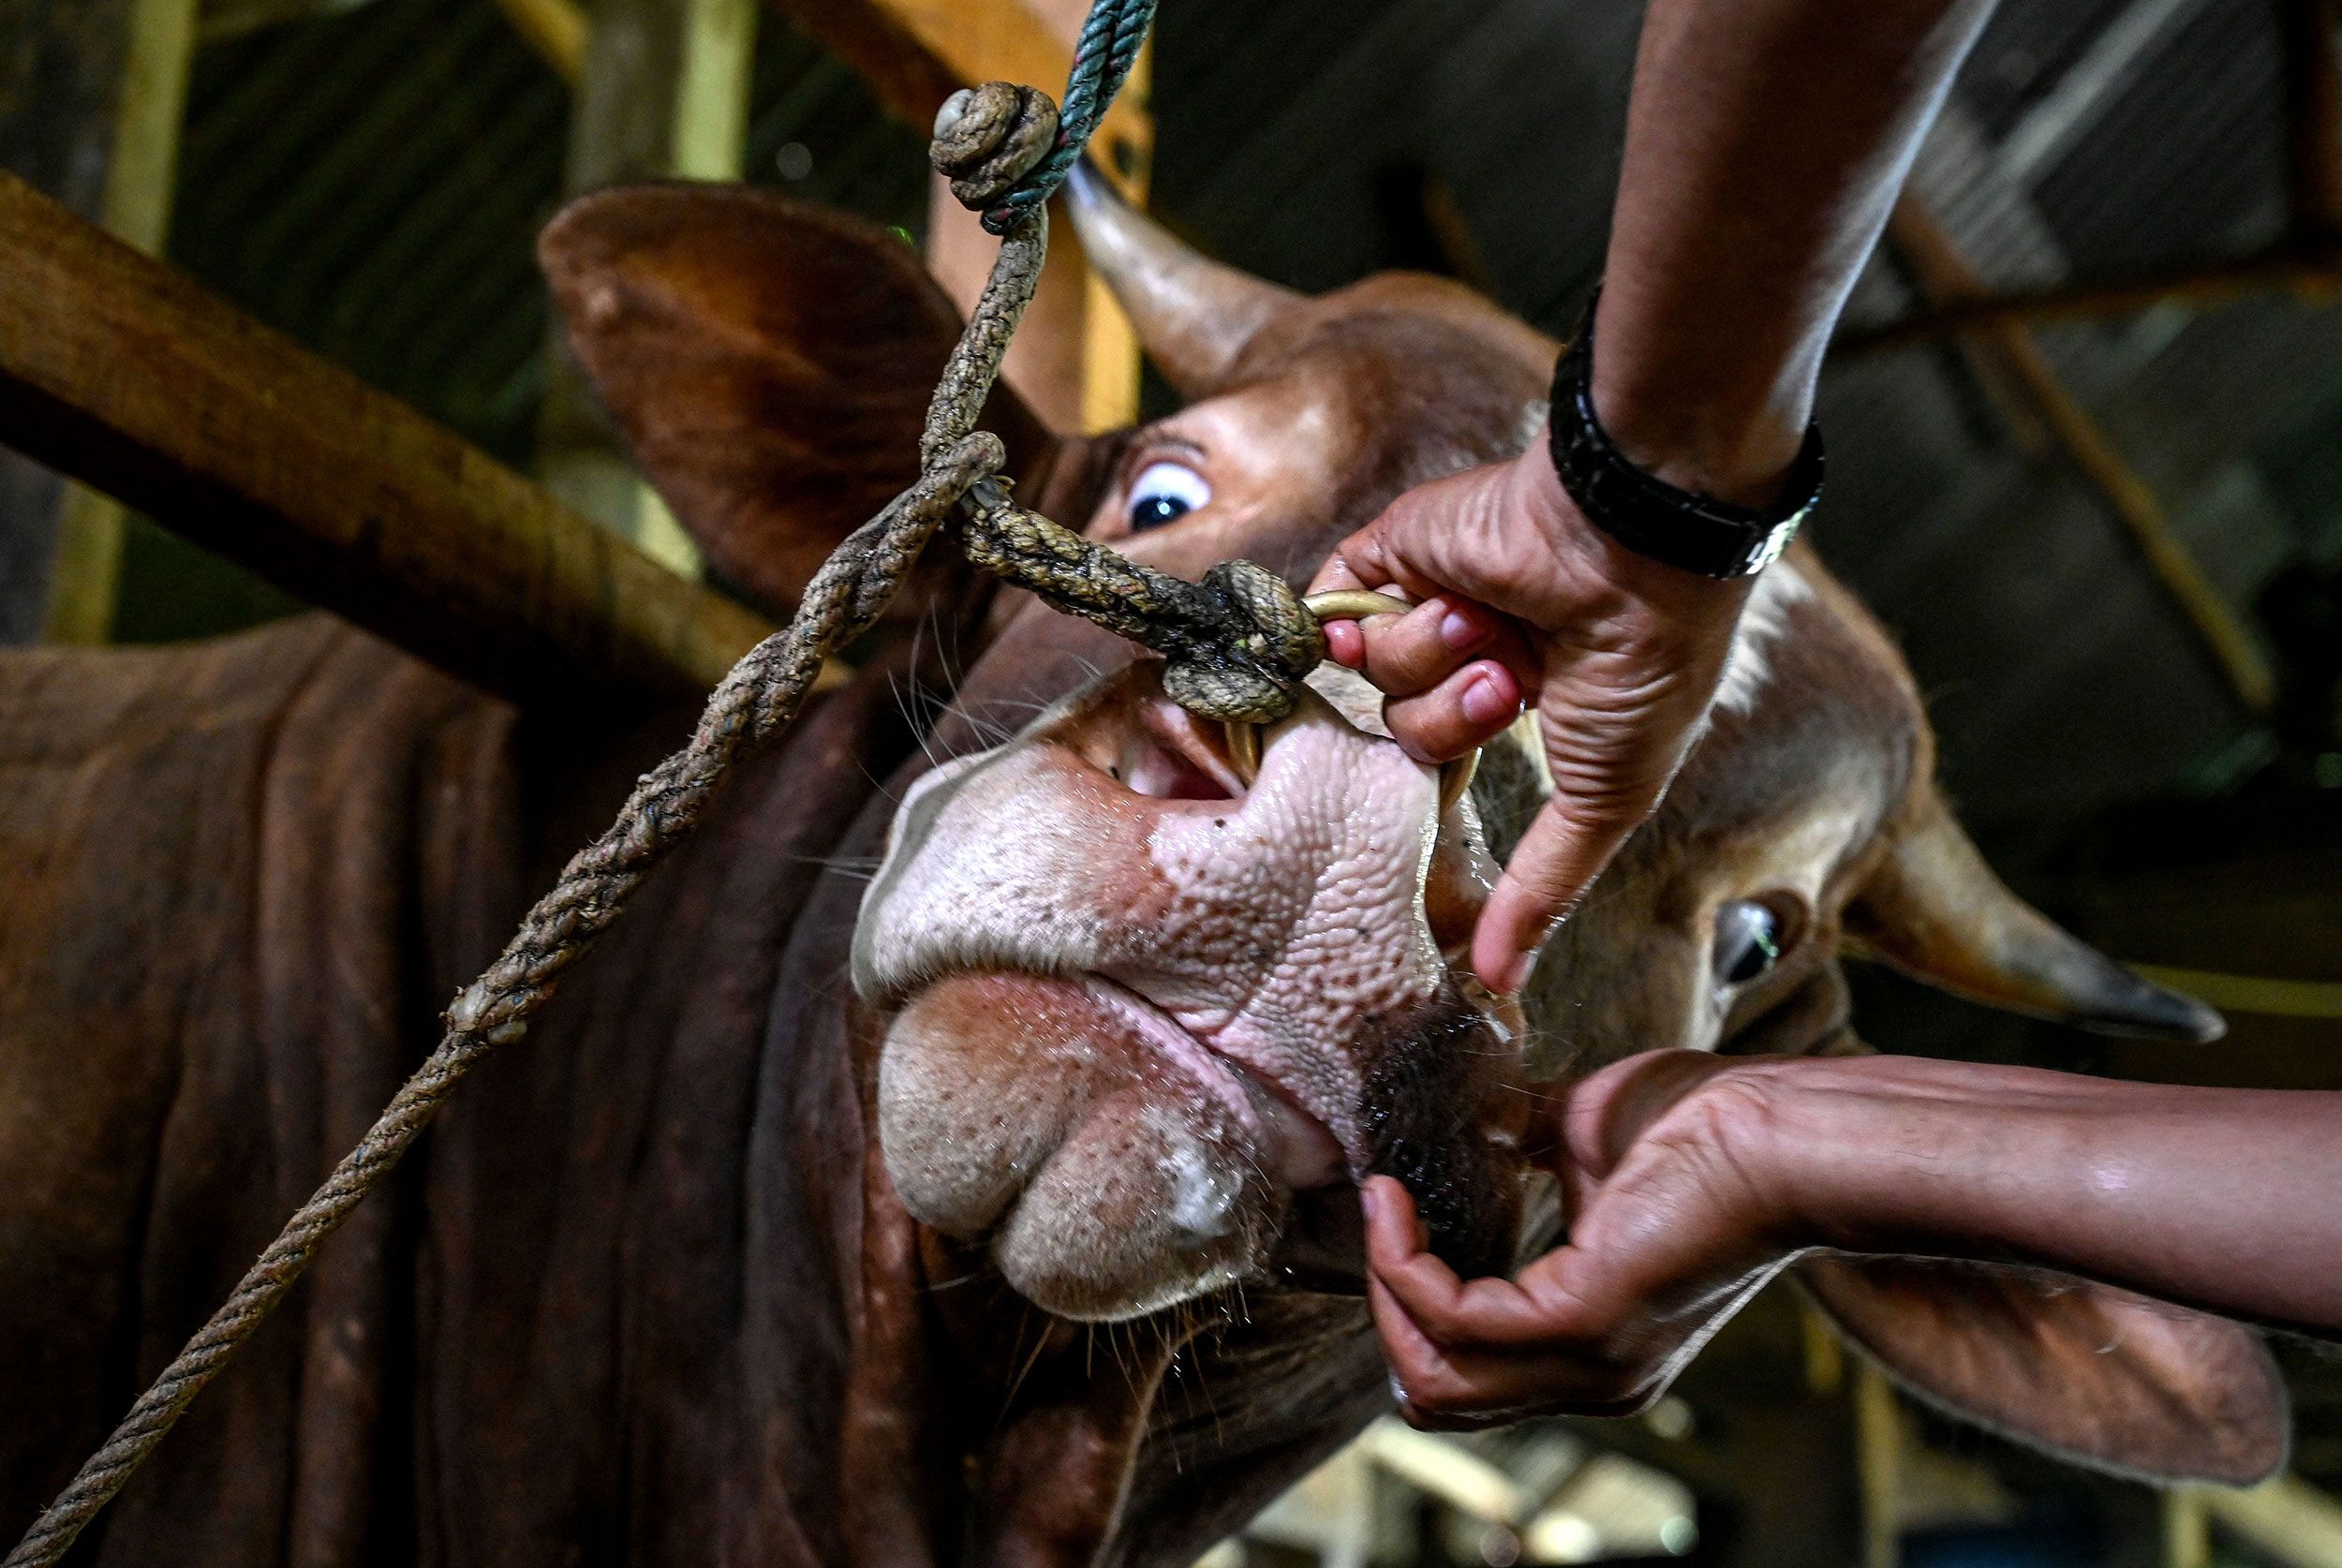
x,y
1769,548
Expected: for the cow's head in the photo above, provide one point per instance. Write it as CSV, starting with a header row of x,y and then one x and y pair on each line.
x,y
1147,1022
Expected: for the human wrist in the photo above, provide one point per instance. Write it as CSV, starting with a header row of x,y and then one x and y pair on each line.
x,y
1599,576
1905,1155
1721,420
1849,1158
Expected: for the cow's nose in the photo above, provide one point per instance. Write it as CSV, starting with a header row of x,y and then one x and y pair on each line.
x,y
1170,754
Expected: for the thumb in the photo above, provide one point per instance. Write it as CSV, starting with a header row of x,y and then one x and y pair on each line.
x,y
1602,1116
1377,555
1562,851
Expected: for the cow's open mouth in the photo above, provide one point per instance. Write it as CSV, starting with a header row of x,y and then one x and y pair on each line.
x,y
1296,1147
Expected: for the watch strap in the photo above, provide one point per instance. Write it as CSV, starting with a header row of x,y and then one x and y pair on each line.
x,y
1679,527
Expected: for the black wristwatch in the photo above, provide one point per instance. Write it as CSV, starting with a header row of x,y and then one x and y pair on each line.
x,y
1651,517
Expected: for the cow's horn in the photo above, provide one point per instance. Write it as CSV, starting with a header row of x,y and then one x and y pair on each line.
x,y
1194,315
1936,911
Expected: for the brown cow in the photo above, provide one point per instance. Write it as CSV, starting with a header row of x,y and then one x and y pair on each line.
x,y
1126,1025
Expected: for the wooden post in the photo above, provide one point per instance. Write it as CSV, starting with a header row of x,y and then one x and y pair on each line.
x,y
1075,361
334,492
1878,1462
99,89
2187,1529
665,93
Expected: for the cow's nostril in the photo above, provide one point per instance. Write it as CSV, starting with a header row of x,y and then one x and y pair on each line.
x,y
1149,770
1169,756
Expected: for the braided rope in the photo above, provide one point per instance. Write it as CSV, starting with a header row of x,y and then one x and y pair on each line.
x,y
755,701
1238,644
1111,37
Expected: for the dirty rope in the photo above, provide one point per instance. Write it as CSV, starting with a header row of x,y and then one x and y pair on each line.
x,y
1236,644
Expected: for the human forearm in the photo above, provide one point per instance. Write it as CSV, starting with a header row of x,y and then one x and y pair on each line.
x,y
2230,1200
1765,143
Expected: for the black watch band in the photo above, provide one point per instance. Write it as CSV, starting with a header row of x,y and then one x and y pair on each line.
x,y
1651,517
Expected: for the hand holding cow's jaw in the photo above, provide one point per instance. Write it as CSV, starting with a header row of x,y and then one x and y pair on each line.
x,y
1691,1181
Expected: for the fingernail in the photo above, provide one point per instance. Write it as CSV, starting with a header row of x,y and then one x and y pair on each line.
x,y
1517,976
1486,702
1461,633
1372,1205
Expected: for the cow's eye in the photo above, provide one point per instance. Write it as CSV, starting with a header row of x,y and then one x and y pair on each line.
x,y
1748,942
1165,493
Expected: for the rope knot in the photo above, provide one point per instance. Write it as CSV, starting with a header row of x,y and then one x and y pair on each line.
x,y
989,137
1272,643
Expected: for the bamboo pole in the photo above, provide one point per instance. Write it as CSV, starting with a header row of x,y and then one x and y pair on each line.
x,y
2202,287
556,29
1945,275
140,153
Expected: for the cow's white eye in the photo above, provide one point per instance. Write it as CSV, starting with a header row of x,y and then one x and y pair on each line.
x,y
1164,493
1748,942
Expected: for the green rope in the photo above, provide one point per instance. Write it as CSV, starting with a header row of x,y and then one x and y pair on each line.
x,y
1111,37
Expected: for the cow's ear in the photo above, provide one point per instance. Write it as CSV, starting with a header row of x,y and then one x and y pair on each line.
x,y
768,364
2089,1372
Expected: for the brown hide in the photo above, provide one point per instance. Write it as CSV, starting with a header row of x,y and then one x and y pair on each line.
x,y
606,1308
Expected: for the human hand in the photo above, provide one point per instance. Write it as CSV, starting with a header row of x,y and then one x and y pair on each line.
x,y
1675,1223
1519,596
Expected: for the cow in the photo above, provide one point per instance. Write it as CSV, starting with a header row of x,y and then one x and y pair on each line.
x,y
949,1158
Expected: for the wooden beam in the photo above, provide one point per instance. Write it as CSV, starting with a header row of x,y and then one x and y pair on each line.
x,y
227,19
2201,287
1945,274
127,375
2289,1519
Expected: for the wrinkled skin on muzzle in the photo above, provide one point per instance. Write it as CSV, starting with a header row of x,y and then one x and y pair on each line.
x,y
1142,1006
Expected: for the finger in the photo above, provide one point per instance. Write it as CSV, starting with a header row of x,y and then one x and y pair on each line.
x,y
1393,1229
1346,644
1562,851
1451,1311
1470,709
1600,1116
1367,560
1336,574
1406,654
1442,1389
1478,1392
